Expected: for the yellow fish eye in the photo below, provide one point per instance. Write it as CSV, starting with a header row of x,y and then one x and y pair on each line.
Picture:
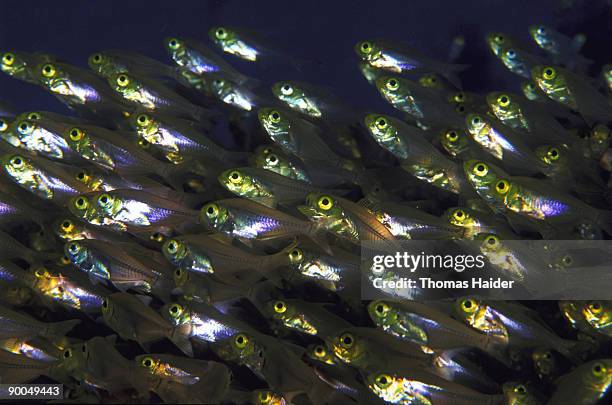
x,y
3,125
319,351
499,39
17,162
325,203
502,186
280,307
381,308
67,225
8,59
567,260
157,237
346,340
520,389
480,169
503,100
48,70
381,123
221,33
235,177
392,84
383,380
459,97
147,362
459,215
175,310
67,353
104,200
123,80
296,255
549,73
34,116
553,154
598,370
264,397
174,43
476,120
272,159
41,272
595,307
81,203
64,260
96,58
241,341
366,47
172,246
211,210
286,89
274,116
143,120
76,134
469,305
452,136
491,241
104,304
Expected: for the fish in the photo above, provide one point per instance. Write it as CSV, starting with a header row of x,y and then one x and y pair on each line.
x,y
123,265
109,62
20,369
586,384
572,91
16,324
598,315
247,220
519,61
398,58
521,394
133,319
21,65
417,156
562,48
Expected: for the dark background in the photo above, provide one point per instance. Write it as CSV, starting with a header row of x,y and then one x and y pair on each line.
x,y
321,31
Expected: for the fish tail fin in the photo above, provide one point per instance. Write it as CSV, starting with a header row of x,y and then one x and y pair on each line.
x,y
62,328
451,71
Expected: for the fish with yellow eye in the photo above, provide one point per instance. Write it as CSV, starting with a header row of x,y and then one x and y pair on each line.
x,y
198,58
305,317
484,177
272,158
573,91
21,65
6,132
399,58
419,387
267,397
406,222
233,42
344,218
366,347
599,315
568,170
265,187
516,393
510,324
124,265
181,380
247,221
320,352
422,104
547,364
207,254
109,62
43,178
498,41
532,92
131,317
588,383
153,96
476,222
572,311
132,210
180,139
508,260
417,156
458,144
426,326
503,143
519,61
507,109
201,288
335,272
77,87
300,137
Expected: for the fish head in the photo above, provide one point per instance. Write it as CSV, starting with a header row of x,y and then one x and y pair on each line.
x,y
174,250
76,251
454,141
274,121
213,215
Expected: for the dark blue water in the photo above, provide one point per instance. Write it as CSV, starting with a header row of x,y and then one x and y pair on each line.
x,y
320,31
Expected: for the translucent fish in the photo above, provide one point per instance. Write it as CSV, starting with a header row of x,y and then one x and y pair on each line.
x,y
15,324
587,383
109,62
